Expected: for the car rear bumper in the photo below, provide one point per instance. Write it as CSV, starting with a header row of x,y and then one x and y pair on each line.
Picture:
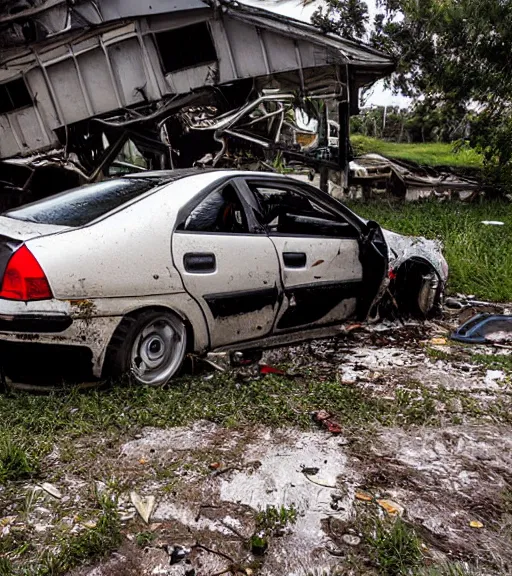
x,y
54,327
38,323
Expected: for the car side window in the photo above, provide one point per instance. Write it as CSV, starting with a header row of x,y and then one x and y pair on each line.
x,y
221,211
285,211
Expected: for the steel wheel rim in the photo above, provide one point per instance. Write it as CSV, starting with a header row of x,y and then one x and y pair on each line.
x,y
158,351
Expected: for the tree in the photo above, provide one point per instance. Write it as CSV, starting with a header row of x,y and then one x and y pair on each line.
x,y
456,55
348,18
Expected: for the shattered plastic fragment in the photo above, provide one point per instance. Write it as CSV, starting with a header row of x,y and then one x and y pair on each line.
x,y
351,539
52,490
144,506
392,508
310,471
325,419
476,524
483,328
438,341
363,496
265,369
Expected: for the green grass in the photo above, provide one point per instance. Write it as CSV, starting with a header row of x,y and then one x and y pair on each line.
x,y
73,551
479,256
426,154
273,401
43,421
395,547
16,463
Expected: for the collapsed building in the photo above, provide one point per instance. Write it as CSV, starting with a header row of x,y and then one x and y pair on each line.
x,y
91,88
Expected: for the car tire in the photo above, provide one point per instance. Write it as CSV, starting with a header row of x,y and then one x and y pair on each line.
x,y
148,347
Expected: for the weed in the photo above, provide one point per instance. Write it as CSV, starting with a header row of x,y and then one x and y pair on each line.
x,y
494,361
6,568
454,570
91,544
15,462
144,539
273,521
395,547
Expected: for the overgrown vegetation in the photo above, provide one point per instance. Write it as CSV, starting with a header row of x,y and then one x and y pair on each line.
x,y
479,256
394,547
15,461
425,154
273,401
273,520
73,551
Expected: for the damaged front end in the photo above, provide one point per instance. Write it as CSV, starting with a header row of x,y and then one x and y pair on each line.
x,y
418,273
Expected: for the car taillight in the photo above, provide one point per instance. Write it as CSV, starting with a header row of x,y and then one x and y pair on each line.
x,y
24,279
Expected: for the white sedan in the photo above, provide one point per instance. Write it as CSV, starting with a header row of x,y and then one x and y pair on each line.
x,y
127,276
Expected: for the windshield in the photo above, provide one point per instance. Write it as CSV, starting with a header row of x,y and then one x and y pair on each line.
x,y
80,206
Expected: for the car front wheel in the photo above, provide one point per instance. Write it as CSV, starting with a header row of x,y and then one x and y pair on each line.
x,y
149,347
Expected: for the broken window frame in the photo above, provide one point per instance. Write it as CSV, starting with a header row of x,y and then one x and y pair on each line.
x,y
332,215
25,99
157,36
203,204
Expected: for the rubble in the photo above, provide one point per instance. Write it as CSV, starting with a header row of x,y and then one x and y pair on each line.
x,y
99,88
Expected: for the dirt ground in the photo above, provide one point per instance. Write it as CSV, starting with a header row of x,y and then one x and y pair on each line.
x,y
446,470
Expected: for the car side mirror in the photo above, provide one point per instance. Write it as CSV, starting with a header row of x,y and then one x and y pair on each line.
x,y
371,229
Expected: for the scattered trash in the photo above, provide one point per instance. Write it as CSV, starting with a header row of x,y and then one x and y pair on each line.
x,y
485,328
52,490
177,553
476,524
265,369
492,377
363,496
215,465
144,506
492,223
453,303
325,419
310,471
392,508
351,539
335,550
5,525
214,365
438,341
245,357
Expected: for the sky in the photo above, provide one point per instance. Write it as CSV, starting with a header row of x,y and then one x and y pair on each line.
x,y
379,96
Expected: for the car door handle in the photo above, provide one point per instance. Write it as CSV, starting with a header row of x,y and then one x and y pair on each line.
x,y
199,262
294,259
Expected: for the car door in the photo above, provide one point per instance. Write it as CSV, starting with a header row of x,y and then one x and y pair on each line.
x,y
228,266
318,252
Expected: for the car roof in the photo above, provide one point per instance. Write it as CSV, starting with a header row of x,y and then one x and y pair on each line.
x,y
168,176
165,176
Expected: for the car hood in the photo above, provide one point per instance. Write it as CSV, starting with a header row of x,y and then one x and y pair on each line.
x,y
402,248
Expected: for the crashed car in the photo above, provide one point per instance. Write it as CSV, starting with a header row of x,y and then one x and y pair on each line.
x,y
129,275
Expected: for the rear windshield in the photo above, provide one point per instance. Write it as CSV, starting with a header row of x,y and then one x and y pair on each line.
x,y
82,205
